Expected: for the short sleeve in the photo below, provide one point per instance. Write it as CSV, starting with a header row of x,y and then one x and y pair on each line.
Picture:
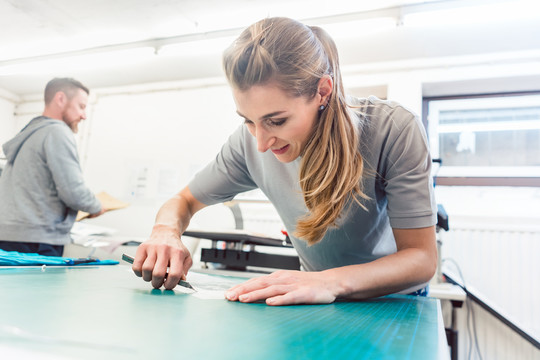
x,y
226,176
407,176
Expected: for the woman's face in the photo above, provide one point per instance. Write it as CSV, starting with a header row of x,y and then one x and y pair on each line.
x,y
279,122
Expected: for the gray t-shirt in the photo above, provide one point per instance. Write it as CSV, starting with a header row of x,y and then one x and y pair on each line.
x,y
397,178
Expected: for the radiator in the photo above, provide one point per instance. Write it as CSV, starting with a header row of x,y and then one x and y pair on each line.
x,y
500,262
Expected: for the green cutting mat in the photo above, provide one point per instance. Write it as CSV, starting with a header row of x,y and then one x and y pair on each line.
x,y
107,312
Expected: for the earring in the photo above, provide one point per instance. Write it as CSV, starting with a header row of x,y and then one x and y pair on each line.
x,y
321,108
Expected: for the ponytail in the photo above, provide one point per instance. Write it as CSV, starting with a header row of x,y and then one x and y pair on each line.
x,y
296,57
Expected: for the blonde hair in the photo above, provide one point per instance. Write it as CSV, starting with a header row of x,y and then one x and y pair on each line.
x,y
296,57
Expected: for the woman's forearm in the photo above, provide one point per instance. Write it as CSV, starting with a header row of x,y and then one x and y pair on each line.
x,y
387,275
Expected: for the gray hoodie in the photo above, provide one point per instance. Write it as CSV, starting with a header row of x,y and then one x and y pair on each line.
x,y
41,186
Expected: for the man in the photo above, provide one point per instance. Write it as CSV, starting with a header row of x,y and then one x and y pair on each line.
x,y
41,186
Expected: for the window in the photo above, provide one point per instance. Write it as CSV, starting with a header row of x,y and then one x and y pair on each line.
x,y
487,138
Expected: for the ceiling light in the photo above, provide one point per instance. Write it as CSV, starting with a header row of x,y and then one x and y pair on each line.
x,y
364,27
199,47
72,63
474,15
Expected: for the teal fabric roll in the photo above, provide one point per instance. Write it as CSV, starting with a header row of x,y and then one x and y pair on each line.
x,y
14,258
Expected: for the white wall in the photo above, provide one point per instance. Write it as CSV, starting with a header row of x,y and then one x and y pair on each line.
x,y
26,110
149,145
7,116
7,122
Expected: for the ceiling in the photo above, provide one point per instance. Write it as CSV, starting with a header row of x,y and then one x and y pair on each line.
x,y
107,43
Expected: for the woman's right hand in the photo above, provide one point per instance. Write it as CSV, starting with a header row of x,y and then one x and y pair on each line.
x,y
163,259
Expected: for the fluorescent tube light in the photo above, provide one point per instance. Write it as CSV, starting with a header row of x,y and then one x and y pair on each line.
x,y
73,63
199,47
364,27
475,15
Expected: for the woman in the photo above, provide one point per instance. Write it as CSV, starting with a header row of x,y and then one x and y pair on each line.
x,y
350,178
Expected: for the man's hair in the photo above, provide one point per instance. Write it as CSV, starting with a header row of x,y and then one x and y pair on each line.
x,y
67,85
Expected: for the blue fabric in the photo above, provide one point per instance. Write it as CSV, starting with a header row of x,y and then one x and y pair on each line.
x,y
421,292
14,258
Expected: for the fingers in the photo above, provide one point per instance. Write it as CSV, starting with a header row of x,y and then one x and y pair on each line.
x,y
159,271
265,293
283,288
176,272
285,299
259,288
250,285
100,212
162,265
273,295
140,257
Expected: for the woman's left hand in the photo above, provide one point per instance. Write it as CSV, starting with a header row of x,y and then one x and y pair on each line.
x,y
286,287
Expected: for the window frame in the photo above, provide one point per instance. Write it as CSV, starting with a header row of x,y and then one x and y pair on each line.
x,y
468,179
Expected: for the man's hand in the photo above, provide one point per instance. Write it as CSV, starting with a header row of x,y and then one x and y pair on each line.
x,y
100,212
